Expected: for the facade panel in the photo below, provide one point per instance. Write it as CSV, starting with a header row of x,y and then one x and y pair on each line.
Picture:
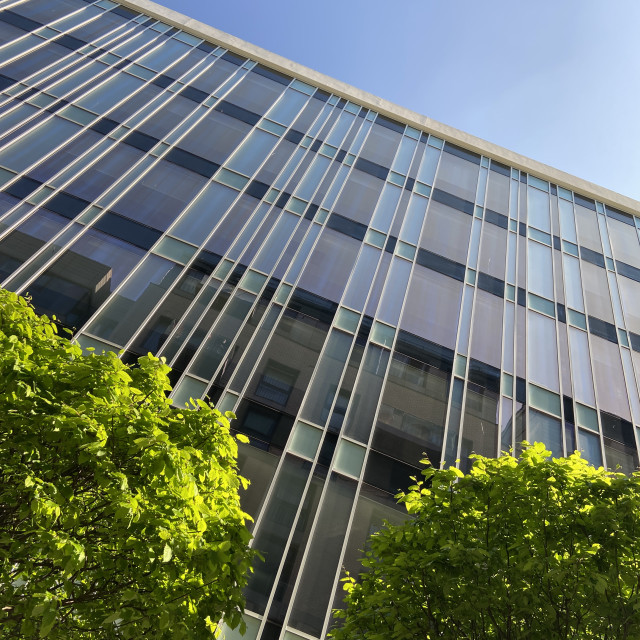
x,y
360,291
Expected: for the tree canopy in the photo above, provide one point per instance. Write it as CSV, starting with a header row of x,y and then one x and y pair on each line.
x,y
119,515
535,548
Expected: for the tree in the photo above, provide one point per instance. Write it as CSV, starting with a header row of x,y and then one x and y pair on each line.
x,y
532,548
119,515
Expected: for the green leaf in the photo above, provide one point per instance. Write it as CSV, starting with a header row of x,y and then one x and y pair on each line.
x,y
167,554
48,621
111,618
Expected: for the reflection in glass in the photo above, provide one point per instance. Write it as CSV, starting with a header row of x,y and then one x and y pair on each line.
x,y
542,352
326,378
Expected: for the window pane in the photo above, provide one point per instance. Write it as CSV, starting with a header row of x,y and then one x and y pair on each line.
x,y
412,414
435,322
457,176
538,209
543,428
542,351
128,310
83,277
581,367
330,264
540,270
446,232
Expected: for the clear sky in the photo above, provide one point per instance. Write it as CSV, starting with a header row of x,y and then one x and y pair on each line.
x,y
555,80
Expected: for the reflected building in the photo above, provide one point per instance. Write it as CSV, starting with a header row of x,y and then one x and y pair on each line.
x,y
361,285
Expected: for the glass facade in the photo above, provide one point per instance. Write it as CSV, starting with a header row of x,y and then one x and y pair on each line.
x,y
359,291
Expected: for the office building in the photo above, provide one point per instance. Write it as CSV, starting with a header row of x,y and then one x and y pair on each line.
x,y
363,286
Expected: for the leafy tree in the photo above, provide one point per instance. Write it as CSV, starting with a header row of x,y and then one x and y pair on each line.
x,y
119,516
532,548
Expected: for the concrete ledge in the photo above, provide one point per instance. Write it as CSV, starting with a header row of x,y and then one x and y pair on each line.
x,y
385,107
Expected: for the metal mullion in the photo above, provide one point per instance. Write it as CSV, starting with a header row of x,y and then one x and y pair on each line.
x,y
633,365
63,74
82,128
380,260
514,189
354,504
321,499
196,300
212,328
127,28
624,375
121,180
556,321
468,356
210,235
224,257
576,432
447,416
525,244
292,531
504,303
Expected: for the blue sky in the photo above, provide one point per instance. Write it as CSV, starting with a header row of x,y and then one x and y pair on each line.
x,y
555,80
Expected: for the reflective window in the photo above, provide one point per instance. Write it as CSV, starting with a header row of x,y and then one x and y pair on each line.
x,y
487,329
498,193
540,270
624,242
330,264
380,145
480,425
457,176
215,347
279,517
255,93
27,239
83,277
206,211
588,231
581,367
596,292
359,196
315,588
37,143
326,378
426,318
538,209
226,131
542,351
572,282
544,428
167,316
413,411
630,293
164,55
112,91
160,195
127,311
610,384
446,232
101,175
285,369
493,250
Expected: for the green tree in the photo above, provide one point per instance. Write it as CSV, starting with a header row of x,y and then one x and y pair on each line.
x,y
535,549
119,515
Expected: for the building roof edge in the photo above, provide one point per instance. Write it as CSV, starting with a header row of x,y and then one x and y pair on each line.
x,y
385,107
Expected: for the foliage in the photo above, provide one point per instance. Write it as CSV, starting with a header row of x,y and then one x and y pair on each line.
x,y
532,548
119,516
